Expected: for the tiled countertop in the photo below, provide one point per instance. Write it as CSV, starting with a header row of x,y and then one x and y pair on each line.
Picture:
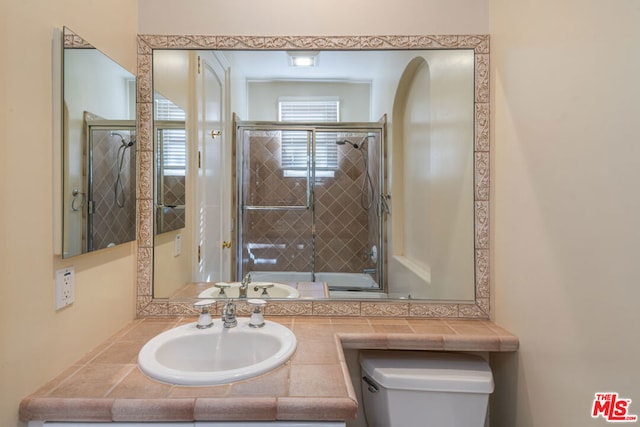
x,y
106,384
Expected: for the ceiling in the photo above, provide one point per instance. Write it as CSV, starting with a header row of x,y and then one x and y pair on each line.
x,y
330,65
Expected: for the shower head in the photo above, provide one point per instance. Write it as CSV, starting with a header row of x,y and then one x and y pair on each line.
x,y
124,143
344,141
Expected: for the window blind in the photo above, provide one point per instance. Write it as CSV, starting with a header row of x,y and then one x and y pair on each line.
x,y
294,143
174,151
167,110
171,138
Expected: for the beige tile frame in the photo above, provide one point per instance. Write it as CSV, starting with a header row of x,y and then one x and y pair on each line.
x,y
147,306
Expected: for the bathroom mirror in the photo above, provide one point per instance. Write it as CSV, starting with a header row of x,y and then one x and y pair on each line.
x,y
427,180
98,149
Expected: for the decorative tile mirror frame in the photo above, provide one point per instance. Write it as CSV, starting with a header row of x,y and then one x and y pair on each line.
x,y
148,306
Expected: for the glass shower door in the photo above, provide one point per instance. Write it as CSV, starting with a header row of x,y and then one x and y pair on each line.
x,y
347,218
110,159
276,232
311,201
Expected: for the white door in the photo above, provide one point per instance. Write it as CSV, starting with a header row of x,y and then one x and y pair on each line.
x,y
213,262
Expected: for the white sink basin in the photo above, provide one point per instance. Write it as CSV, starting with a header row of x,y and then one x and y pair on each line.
x,y
278,290
187,355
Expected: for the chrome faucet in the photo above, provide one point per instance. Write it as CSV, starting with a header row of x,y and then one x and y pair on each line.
x,y
244,285
229,315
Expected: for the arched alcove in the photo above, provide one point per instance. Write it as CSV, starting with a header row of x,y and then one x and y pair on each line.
x,y
410,127
432,247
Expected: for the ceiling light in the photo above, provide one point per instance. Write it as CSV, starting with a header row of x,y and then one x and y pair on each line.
x,y
302,59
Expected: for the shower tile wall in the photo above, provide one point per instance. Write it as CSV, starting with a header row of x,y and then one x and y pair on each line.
x,y
342,230
174,193
112,224
342,224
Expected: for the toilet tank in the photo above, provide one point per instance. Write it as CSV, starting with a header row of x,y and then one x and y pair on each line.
x,y
425,389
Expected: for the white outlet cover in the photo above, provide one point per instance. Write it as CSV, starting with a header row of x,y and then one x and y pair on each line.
x,y
65,287
177,245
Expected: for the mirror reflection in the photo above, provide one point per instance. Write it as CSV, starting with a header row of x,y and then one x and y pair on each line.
x,y
350,177
311,202
99,150
171,168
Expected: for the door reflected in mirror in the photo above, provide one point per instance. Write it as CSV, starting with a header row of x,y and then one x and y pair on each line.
x,y
99,150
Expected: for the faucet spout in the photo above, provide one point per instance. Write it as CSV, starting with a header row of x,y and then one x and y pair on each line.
x,y
229,315
244,285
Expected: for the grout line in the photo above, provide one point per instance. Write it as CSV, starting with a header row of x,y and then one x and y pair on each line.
x,y
117,383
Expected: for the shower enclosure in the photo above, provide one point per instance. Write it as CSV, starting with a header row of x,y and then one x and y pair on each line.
x,y
108,202
311,200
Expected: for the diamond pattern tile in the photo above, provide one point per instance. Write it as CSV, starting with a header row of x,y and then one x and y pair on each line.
x,y
111,223
280,239
174,194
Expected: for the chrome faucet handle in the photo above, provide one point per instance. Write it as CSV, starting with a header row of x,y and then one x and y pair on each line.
x,y
204,321
222,286
264,287
257,319
229,315
247,279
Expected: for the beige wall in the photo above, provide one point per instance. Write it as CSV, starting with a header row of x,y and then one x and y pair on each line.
x,y
36,341
171,79
566,169
316,17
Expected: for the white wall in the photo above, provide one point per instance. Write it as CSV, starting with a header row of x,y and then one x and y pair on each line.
x,y
566,168
37,342
263,97
431,240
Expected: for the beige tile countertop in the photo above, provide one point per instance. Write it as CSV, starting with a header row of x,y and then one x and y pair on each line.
x,y
106,385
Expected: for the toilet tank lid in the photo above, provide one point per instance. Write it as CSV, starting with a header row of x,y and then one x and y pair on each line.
x,y
428,371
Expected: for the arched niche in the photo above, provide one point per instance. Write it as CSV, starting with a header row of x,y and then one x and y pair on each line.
x,y
432,180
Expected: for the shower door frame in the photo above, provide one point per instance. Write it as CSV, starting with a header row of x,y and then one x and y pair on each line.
x,y
312,128
89,208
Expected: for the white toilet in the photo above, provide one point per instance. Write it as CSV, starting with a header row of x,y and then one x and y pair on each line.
x,y
424,389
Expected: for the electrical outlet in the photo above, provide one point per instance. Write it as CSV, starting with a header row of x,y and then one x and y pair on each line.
x,y
177,245
65,284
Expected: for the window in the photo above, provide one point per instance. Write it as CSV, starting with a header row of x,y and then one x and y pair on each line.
x,y
167,110
294,143
173,149
171,137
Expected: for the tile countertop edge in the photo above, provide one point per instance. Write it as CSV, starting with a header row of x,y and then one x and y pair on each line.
x,y
428,342
491,338
60,408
